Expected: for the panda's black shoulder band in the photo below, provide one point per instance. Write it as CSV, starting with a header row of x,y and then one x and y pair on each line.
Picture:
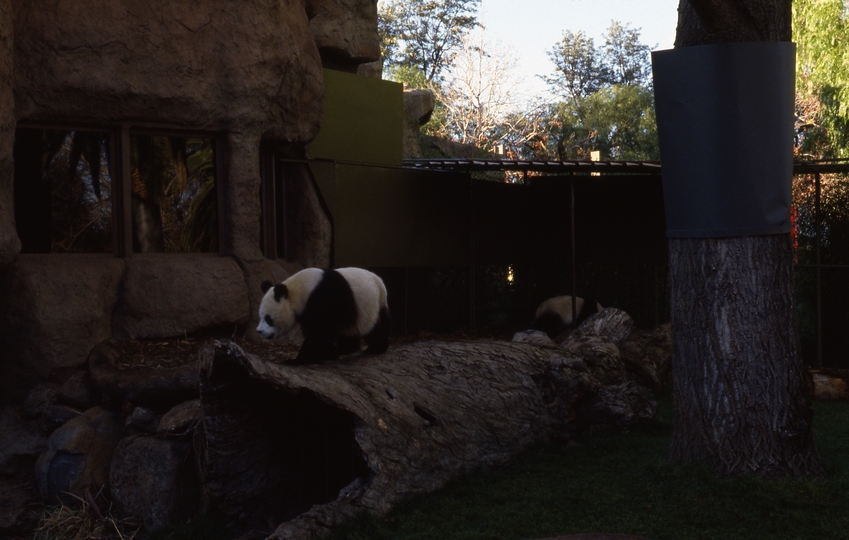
x,y
266,285
280,291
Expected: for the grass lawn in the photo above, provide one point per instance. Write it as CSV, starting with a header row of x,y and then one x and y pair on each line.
x,y
613,482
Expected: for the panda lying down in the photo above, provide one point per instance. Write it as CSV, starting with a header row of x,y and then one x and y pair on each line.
x,y
554,315
335,308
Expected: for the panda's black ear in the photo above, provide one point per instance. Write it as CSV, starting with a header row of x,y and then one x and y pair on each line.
x,y
280,291
265,286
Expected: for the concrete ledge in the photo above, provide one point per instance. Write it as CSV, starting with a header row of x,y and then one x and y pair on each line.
x,y
168,295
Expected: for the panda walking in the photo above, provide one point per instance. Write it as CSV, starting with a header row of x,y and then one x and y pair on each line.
x,y
335,308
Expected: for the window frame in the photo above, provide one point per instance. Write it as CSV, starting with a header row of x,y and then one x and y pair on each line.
x,y
121,172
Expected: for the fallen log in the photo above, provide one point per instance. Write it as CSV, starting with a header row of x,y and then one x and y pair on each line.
x,y
828,384
307,447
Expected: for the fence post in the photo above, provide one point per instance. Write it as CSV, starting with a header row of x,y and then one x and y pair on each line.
x,y
817,220
574,264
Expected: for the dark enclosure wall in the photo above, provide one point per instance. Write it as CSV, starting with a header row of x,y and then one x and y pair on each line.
x,y
459,253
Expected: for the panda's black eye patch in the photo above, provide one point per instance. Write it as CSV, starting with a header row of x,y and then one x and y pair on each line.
x,y
269,321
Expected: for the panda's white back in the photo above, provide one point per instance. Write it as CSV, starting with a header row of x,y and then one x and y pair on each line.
x,y
562,306
369,296
301,286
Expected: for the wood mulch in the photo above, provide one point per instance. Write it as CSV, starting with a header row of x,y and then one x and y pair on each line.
x,y
172,352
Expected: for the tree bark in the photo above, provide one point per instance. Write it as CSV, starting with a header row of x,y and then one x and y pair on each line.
x,y
741,401
310,446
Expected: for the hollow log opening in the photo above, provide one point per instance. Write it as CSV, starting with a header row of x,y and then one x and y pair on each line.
x,y
294,450
319,454
280,439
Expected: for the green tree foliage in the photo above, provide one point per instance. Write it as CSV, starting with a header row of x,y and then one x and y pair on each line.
x,y
617,120
821,33
424,34
583,68
608,101
627,59
580,71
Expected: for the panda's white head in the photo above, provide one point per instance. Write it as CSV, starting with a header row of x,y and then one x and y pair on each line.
x,y
276,314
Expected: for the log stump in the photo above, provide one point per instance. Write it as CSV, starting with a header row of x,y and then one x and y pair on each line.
x,y
310,446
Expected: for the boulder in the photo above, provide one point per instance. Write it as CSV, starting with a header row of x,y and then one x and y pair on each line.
x,y
191,292
76,391
78,456
39,399
418,108
533,336
154,480
53,309
56,415
141,420
180,422
20,443
345,31
371,69
418,105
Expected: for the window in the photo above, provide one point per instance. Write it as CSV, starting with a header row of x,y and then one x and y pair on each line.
x,y
73,193
174,198
63,191
277,179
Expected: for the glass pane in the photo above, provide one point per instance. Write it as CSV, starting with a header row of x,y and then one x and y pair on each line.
x,y
174,197
63,191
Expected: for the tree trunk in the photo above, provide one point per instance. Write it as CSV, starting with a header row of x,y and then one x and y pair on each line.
x,y
741,400
740,390
310,446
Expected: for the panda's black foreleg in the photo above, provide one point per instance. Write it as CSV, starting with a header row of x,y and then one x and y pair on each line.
x,y
315,350
550,323
348,344
378,338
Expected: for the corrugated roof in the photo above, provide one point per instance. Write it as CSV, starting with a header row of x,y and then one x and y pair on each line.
x,y
583,166
551,167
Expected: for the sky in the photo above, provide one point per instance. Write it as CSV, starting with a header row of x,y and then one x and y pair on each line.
x,y
529,28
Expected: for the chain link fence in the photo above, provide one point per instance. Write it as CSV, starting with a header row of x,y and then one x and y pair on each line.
x,y
821,242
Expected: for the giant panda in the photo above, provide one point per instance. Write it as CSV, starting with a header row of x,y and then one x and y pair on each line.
x,y
555,314
335,308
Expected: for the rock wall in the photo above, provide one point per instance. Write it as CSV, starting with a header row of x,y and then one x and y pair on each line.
x,y
209,65
343,31
248,71
53,315
418,108
10,245
193,292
